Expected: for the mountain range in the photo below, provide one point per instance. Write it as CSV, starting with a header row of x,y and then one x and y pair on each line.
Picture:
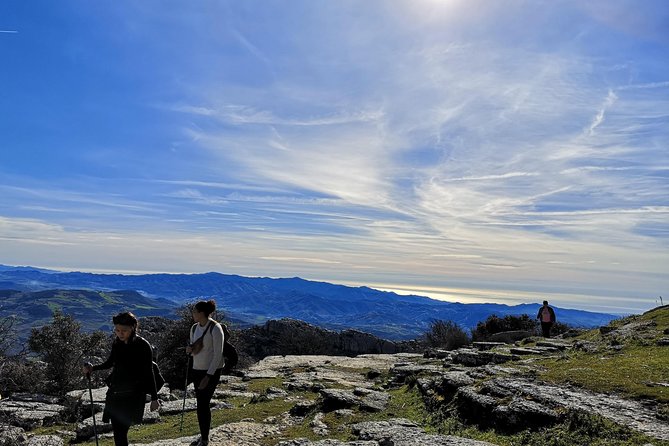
x,y
31,293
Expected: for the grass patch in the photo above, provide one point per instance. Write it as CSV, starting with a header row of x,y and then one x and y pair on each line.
x,y
168,427
262,384
626,372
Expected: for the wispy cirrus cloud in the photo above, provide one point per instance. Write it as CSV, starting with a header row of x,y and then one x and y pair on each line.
x,y
516,146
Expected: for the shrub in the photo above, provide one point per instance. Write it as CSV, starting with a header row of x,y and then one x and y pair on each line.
x,y
446,334
170,348
494,324
62,346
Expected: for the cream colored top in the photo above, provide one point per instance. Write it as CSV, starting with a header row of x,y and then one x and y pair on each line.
x,y
210,357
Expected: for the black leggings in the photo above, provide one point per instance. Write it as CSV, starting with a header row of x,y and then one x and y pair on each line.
x,y
120,432
546,329
204,399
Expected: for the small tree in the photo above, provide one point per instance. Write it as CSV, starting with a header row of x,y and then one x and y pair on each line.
x,y
171,348
494,324
446,334
15,373
61,346
8,336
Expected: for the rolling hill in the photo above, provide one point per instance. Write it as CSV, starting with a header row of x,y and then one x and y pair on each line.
x,y
249,300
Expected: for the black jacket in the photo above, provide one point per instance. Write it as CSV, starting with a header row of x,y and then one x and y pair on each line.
x,y
550,310
133,367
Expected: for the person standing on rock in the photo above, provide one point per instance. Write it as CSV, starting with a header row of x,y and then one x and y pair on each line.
x,y
131,379
206,349
546,316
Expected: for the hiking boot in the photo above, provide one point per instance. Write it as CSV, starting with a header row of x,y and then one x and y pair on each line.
x,y
200,442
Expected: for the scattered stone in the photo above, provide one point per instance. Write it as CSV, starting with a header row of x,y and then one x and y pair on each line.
x,y
437,353
175,407
475,358
487,345
401,432
274,392
553,344
524,351
318,426
522,414
372,400
333,399
45,440
302,408
12,435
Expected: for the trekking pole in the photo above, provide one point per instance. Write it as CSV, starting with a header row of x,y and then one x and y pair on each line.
x,y
183,405
90,394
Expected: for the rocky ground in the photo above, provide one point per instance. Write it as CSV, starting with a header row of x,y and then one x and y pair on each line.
x,y
488,385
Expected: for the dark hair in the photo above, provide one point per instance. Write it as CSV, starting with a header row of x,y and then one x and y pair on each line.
x,y
545,302
126,318
206,306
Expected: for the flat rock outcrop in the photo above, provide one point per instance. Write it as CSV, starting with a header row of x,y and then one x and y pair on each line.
x,y
487,386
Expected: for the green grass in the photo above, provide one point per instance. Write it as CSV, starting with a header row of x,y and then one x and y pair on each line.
x,y
168,426
625,372
261,385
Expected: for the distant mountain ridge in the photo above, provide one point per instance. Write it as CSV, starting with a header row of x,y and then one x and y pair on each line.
x,y
255,300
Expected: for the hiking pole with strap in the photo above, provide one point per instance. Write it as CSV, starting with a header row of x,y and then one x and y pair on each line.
x,y
183,405
90,394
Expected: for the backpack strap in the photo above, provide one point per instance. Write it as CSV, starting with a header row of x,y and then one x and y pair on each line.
x,y
208,329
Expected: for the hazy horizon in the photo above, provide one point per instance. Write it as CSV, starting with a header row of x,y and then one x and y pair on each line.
x,y
510,151
598,304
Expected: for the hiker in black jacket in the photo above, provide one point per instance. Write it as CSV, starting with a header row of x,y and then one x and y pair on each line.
x,y
546,316
131,379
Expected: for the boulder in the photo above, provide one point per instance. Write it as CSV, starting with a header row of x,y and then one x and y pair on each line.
x,y
509,337
523,414
45,440
302,408
333,399
12,435
475,408
31,414
371,400
487,345
475,358
402,432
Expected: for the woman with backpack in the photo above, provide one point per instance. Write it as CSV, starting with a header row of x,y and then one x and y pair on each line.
x,y
131,379
206,349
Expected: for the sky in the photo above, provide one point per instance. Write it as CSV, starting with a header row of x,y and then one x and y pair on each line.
x,y
466,150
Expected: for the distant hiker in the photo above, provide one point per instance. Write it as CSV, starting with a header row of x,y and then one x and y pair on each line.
x,y
206,348
132,359
546,316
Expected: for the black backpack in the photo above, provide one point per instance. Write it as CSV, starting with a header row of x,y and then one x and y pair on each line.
x,y
231,357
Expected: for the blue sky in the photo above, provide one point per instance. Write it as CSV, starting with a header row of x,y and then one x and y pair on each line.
x,y
467,150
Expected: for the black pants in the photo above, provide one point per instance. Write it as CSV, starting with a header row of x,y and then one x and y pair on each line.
x,y
204,399
120,432
546,329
